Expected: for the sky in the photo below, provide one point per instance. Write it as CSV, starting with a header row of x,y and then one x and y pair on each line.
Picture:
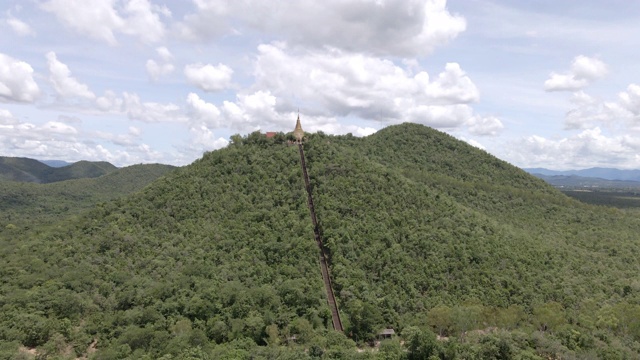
x,y
544,83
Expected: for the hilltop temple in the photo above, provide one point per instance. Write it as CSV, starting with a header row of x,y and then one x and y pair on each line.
x,y
297,132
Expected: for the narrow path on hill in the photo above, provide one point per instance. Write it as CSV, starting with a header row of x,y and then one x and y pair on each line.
x,y
331,299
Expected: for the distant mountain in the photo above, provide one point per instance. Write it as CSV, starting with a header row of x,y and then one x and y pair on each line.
x,y
55,163
80,170
597,172
30,170
573,181
23,203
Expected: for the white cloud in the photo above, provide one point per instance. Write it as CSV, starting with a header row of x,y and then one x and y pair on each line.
x,y
588,68
150,111
132,150
371,88
584,70
57,139
135,109
97,19
143,21
157,69
101,20
585,111
590,148
6,118
333,126
564,82
164,54
588,111
16,81
582,98
127,140
452,86
259,111
208,77
363,131
202,138
444,117
109,102
254,110
335,85
20,27
630,99
474,143
59,128
383,27
52,139
489,125
208,21
64,84
204,111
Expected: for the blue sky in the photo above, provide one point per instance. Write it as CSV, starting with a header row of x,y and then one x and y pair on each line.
x,y
538,84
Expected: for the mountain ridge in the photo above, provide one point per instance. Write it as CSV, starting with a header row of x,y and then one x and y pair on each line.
x,y
32,204
575,181
31,170
595,172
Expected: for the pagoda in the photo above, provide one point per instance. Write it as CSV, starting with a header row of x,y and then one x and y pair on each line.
x,y
297,132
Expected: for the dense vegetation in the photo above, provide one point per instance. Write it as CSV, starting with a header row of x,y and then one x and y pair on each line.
x,y
30,170
426,234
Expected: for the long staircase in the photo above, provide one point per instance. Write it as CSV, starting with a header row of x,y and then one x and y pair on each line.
x,y
331,299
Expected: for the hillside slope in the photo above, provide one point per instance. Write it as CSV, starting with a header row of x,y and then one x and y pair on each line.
x,y
30,170
469,226
425,233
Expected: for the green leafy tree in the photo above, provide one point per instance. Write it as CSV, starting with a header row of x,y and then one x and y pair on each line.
x,y
365,320
549,316
420,344
391,349
272,335
510,317
467,317
440,319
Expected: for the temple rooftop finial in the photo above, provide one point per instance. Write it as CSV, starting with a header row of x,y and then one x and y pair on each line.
x,y
298,132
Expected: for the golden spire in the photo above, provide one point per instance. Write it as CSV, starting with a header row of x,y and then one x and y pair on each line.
x,y
297,132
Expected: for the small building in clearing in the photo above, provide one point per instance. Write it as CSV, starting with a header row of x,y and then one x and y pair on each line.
x,y
386,334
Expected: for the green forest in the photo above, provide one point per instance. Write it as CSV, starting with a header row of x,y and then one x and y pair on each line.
x,y
464,255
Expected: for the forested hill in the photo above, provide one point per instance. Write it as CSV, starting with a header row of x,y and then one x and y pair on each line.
x,y
426,235
30,170
25,204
